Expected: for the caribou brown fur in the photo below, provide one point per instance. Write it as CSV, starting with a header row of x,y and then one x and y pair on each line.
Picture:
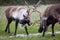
x,y
50,16
20,15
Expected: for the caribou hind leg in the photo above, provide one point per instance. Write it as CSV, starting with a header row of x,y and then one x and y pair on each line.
x,y
16,25
53,30
7,27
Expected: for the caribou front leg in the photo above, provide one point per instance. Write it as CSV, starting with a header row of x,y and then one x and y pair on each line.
x,y
44,30
26,30
16,25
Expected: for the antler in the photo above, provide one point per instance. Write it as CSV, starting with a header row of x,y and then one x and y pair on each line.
x,y
38,3
34,9
27,6
26,3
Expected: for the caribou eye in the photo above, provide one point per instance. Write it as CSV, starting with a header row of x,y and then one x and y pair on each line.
x,y
24,16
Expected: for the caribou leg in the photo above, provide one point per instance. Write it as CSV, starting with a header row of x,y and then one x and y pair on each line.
x,y
44,30
53,30
16,25
7,27
26,30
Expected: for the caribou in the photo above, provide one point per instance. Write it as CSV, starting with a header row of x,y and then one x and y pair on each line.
x,y
20,15
50,17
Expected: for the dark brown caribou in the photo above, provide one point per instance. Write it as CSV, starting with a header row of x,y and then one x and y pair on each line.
x,y
20,15
50,16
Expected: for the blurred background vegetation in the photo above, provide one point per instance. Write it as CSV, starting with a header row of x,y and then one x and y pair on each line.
x,y
21,2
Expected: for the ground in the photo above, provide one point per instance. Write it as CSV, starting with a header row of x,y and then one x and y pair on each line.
x,y
31,29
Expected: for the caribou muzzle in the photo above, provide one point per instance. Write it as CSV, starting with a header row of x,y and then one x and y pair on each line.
x,y
24,21
40,30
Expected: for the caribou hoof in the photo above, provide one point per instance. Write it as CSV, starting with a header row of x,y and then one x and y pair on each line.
x,y
8,31
53,35
27,34
5,30
14,34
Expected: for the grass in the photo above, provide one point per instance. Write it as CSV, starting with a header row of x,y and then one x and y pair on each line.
x,y
47,37
31,29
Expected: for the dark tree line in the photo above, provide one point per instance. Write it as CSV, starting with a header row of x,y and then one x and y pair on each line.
x,y
21,2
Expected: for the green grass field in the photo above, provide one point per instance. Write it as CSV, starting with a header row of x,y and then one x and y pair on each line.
x,y
31,29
